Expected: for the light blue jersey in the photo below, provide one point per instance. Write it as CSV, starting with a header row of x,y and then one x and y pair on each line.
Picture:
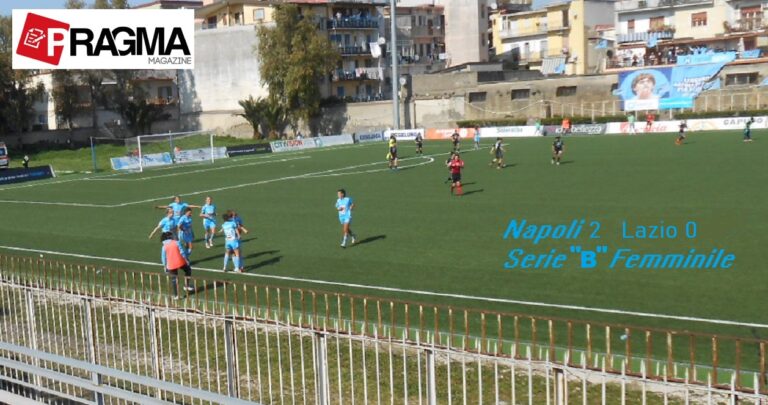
x,y
185,229
344,206
209,210
232,241
167,224
178,208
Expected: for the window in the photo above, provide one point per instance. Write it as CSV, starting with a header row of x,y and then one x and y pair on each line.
x,y
699,19
740,79
477,97
211,22
657,23
565,91
631,27
165,92
258,14
340,92
520,94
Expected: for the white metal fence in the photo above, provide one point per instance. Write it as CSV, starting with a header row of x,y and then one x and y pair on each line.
x,y
93,335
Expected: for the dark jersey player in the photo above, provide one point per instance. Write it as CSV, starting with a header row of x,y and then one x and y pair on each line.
x,y
455,140
419,144
681,133
748,129
498,154
558,147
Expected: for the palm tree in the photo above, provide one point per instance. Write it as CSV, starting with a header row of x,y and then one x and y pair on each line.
x,y
254,113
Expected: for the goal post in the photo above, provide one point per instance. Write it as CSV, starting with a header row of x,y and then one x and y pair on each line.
x,y
173,148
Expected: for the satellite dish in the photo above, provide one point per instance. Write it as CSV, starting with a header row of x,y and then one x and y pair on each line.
x,y
493,6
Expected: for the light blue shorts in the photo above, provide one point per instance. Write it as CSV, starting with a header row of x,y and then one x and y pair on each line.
x,y
232,244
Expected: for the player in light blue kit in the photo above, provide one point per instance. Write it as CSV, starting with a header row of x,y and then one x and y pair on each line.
x,y
208,213
231,242
344,206
167,224
186,234
177,206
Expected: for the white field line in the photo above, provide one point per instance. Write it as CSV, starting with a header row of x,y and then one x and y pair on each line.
x,y
256,183
419,292
184,173
174,167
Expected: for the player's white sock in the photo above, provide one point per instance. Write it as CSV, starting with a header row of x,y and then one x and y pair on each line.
x,y
236,260
226,260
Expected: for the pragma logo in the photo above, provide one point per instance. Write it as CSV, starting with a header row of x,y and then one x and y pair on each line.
x,y
103,39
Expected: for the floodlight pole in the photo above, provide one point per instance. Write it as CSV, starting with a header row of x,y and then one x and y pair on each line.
x,y
395,77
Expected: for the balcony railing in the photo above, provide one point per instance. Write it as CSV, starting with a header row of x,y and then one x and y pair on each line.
x,y
352,23
745,25
353,50
644,36
533,56
525,31
356,74
633,5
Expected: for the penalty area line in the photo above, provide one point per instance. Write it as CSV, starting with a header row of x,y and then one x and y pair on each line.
x,y
420,292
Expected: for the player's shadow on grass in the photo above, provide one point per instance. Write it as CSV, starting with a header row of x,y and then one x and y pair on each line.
x,y
370,239
263,263
473,192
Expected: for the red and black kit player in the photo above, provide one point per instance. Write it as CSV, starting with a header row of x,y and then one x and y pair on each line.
x,y
649,117
455,166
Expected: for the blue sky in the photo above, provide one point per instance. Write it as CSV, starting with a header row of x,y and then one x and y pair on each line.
x,y
7,5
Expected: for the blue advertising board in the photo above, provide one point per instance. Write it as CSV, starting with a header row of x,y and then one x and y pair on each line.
x,y
9,176
666,87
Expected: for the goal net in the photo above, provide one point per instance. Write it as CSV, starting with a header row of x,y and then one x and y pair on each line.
x,y
172,148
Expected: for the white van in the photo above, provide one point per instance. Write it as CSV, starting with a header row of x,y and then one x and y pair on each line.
x,y
5,161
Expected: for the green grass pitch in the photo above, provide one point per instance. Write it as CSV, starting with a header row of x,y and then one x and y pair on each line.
x,y
417,237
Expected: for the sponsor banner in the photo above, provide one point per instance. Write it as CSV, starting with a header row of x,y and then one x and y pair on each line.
x,y
132,162
731,123
9,176
199,155
577,129
705,124
248,149
404,134
665,88
103,39
508,132
294,144
370,137
334,140
658,126
436,134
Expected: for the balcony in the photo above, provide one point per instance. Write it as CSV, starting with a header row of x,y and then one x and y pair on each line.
x,y
352,23
353,50
533,57
524,31
356,74
745,25
667,33
625,6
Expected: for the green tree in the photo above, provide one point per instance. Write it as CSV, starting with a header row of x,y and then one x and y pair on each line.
x,y
93,80
75,4
101,4
65,96
295,57
275,117
253,112
17,94
119,4
140,116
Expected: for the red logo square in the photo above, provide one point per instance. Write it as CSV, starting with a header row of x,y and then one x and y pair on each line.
x,y
35,37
